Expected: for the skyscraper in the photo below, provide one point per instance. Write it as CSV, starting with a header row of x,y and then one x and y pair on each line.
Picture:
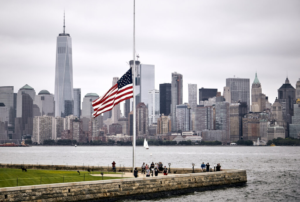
x,y
77,102
183,115
206,93
192,88
142,119
24,120
298,89
64,99
8,99
87,109
258,99
240,90
177,96
153,106
145,81
286,97
165,98
116,112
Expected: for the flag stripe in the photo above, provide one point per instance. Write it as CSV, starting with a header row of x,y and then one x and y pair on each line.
x,y
119,92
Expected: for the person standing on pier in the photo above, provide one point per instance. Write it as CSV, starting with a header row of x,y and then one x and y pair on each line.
x,y
143,168
114,166
135,173
207,167
203,166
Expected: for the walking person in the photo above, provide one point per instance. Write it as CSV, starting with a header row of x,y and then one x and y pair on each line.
x,y
207,167
135,173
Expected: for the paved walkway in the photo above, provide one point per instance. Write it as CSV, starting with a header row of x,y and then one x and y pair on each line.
x,y
127,175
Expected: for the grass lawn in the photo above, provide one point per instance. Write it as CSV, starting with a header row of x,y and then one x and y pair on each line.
x,y
15,177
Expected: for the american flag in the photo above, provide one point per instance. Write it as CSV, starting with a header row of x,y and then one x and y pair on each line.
x,y
121,91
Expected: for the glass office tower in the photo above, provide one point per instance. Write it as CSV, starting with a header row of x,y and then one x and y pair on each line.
x,y
64,76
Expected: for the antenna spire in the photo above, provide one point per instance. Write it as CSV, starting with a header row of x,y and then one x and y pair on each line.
x,y
64,22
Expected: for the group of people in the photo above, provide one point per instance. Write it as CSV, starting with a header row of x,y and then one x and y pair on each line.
x,y
206,167
154,169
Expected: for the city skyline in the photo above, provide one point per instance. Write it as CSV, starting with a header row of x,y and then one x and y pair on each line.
x,y
219,47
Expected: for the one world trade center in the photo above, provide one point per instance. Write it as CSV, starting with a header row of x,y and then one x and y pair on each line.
x,y
64,76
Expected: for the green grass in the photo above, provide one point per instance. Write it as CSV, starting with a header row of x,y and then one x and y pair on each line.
x,y
15,177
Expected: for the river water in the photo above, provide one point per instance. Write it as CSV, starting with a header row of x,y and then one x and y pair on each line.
x,y
273,172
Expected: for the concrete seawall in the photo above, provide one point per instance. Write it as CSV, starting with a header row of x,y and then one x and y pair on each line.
x,y
110,190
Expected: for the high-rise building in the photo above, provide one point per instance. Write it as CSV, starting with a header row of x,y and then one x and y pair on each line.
x,y
123,121
258,99
63,96
45,103
87,109
240,90
163,125
298,89
206,93
42,129
295,126
116,111
203,118
286,97
127,107
165,98
77,102
223,119
192,89
145,81
237,112
8,99
177,96
24,120
141,119
153,106
183,117
227,94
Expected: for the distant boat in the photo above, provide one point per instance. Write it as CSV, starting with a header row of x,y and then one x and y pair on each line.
x,y
233,144
146,144
272,145
75,145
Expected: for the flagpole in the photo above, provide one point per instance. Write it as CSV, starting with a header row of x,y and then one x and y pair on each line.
x,y
134,107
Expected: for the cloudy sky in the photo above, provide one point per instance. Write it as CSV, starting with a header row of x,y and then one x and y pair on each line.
x,y
205,41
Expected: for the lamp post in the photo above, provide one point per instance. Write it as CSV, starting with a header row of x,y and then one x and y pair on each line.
x,y
169,167
193,167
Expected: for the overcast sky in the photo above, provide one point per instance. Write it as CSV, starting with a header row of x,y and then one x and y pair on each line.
x,y
205,41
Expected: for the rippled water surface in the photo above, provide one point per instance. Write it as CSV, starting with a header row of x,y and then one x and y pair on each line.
x,y
273,172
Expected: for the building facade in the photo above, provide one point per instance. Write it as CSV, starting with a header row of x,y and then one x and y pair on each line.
x,y
177,97
239,89
42,129
165,98
258,99
183,117
237,112
163,125
142,119
222,115
7,97
203,118
206,93
153,106
45,103
295,126
77,102
63,95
